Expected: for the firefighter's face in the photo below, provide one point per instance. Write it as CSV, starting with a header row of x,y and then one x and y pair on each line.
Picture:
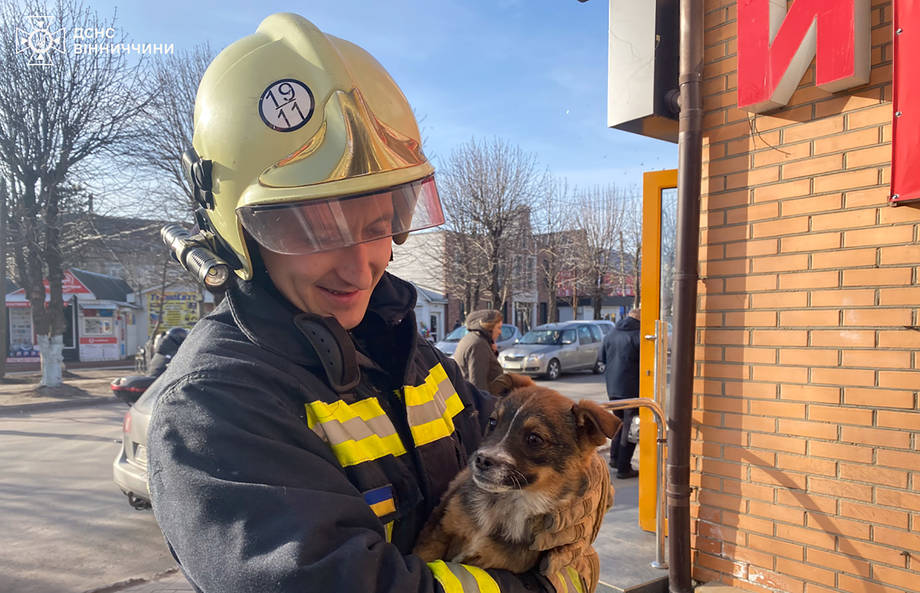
x,y
338,282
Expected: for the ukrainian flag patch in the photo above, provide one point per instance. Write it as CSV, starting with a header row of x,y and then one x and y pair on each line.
x,y
381,501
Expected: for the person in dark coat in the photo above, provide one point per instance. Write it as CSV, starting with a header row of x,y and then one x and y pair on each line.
x,y
620,352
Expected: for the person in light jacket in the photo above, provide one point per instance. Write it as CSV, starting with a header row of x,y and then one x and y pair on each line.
x,y
476,354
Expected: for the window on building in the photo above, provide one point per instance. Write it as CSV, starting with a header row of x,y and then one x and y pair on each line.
x,y
97,326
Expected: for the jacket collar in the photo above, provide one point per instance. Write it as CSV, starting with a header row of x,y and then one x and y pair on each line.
x,y
266,317
627,324
485,335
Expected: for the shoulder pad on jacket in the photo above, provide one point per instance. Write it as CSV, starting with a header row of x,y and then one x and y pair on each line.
x,y
334,349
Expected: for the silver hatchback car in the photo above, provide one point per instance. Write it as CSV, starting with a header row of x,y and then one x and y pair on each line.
x,y
129,469
555,348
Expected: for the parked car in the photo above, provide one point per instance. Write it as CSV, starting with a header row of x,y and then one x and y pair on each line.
x,y
129,469
605,325
554,348
510,334
154,357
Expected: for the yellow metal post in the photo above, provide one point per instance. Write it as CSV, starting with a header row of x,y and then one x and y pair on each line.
x,y
653,183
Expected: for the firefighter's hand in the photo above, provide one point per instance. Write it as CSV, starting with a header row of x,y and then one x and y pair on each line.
x,y
579,521
505,382
580,573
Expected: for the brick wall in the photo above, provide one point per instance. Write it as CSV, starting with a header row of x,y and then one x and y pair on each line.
x,y
806,445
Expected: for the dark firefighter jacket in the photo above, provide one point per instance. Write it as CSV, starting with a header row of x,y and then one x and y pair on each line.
x,y
620,352
270,473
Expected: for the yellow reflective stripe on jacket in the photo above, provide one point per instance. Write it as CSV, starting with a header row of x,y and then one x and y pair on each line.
x,y
356,433
460,578
485,581
575,578
431,407
570,580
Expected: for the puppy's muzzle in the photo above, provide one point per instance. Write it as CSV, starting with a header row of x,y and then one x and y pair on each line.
x,y
494,474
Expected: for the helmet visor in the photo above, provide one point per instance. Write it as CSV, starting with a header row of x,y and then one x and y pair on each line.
x,y
310,226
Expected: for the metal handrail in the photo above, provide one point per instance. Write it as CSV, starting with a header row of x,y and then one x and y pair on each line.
x,y
658,413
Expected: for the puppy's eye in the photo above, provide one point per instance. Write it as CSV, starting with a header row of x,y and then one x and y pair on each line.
x,y
493,422
534,440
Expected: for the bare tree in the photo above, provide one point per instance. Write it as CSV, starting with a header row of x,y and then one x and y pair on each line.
x,y
601,218
630,245
486,189
553,223
668,255
166,126
58,113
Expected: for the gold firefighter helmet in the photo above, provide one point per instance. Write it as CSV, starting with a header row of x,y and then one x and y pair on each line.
x,y
296,129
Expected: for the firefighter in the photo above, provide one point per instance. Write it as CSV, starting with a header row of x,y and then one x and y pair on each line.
x,y
303,433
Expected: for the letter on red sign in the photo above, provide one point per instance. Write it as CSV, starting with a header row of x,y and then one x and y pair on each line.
x,y
775,48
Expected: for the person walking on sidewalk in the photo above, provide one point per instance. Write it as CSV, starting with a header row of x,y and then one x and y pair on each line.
x,y
304,432
620,352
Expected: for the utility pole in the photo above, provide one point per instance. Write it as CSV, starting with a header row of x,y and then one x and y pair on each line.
x,y
4,339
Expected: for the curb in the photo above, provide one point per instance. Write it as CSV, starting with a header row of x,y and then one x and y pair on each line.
x,y
88,402
137,582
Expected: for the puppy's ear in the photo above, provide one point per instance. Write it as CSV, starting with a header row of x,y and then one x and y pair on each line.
x,y
594,423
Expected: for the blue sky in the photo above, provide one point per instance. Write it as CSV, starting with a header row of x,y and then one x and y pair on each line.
x,y
533,72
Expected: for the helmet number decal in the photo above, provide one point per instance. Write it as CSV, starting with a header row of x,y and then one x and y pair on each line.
x,y
286,105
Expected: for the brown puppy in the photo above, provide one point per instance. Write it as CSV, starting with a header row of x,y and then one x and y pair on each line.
x,y
532,461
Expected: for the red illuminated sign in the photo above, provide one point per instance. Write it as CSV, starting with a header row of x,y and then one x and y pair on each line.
x,y
776,47
905,183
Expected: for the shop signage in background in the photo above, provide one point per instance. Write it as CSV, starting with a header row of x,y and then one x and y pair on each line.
x,y
775,48
179,309
22,341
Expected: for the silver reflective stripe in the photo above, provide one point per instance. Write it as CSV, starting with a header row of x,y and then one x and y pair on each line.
x,y
466,579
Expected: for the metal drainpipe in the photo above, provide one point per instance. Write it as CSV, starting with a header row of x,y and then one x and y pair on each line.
x,y
680,404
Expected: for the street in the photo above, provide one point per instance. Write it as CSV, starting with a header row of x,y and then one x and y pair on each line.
x,y
68,529
580,385
66,526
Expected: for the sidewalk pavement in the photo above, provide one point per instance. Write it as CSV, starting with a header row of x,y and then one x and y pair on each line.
x,y
20,392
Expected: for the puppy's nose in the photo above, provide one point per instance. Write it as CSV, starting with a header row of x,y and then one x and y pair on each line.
x,y
483,462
